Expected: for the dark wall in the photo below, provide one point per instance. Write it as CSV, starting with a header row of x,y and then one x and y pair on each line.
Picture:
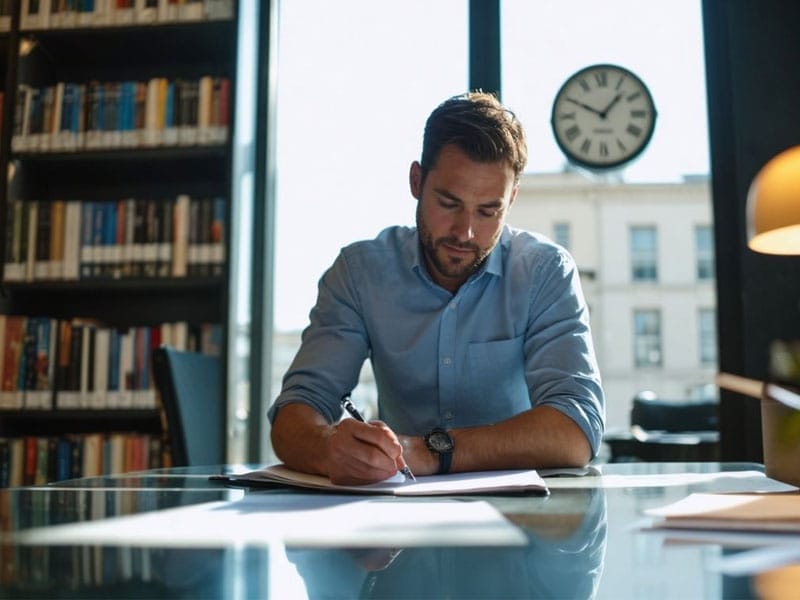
x,y
753,78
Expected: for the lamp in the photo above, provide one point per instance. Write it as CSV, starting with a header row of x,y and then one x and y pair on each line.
x,y
773,227
773,206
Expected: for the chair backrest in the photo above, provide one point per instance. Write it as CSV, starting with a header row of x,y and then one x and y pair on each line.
x,y
190,385
656,414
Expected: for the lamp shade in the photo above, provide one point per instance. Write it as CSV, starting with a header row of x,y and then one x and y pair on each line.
x,y
773,206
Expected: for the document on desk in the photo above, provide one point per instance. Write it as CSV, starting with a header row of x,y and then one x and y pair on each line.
x,y
454,484
299,520
738,512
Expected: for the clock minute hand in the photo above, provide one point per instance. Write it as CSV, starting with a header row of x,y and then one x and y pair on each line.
x,y
586,106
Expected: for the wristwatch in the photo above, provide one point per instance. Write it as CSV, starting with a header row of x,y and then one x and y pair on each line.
x,y
440,442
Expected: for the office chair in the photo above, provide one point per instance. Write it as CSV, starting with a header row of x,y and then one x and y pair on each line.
x,y
190,386
667,431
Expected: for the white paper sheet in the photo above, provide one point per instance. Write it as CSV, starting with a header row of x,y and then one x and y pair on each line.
x,y
735,512
496,482
727,481
318,520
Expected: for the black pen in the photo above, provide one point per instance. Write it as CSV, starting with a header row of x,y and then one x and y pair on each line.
x,y
350,408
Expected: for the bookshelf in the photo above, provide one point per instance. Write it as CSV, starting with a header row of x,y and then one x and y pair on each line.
x,y
115,179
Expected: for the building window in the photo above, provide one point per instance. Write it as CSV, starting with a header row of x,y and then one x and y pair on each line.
x,y
647,338
561,234
644,256
704,247
707,326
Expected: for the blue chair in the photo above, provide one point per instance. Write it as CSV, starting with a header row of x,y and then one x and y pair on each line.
x,y
190,386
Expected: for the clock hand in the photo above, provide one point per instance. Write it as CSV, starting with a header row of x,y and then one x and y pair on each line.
x,y
586,106
610,106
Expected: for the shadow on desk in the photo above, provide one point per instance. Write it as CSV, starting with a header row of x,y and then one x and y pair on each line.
x,y
667,431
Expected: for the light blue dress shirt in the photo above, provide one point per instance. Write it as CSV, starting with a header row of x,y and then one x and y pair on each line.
x,y
515,335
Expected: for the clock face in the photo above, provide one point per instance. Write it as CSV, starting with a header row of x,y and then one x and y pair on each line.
x,y
603,116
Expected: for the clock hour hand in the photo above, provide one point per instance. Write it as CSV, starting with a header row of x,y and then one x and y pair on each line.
x,y
604,113
586,106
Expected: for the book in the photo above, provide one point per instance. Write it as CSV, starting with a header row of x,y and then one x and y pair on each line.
x,y
11,395
742,512
526,481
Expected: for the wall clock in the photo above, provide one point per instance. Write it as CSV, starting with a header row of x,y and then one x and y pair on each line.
x,y
603,117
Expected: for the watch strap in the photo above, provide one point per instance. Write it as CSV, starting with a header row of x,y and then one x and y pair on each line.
x,y
445,459
445,456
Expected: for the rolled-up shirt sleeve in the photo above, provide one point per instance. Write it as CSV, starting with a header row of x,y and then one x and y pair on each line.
x,y
334,347
561,368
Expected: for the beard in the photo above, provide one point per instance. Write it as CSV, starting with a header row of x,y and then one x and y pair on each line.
x,y
445,265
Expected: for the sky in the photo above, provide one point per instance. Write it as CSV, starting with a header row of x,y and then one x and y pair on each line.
x,y
358,78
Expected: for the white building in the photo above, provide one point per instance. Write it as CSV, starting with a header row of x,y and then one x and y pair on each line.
x,y
645,252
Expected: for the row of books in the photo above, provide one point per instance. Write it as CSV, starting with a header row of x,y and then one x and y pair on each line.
x,y
37,460
79,364
49,14
128,238
69,116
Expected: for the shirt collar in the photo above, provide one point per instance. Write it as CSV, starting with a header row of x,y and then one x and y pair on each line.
x,y
492,265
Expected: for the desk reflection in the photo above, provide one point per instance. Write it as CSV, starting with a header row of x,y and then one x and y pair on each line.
x,y
563,558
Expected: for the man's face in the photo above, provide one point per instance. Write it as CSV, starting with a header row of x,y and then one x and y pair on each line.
x,y
461,209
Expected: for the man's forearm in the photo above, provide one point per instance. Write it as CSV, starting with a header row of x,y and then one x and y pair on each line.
x,y
299,438
539,438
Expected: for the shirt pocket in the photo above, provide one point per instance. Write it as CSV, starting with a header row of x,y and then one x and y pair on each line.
x,y
498,389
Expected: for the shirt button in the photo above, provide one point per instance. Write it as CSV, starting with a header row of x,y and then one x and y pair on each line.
x,y
447,360
448,415
453,305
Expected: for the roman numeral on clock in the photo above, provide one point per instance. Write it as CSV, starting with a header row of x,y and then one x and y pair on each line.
x,y
633,96
601,79
572,133
634,130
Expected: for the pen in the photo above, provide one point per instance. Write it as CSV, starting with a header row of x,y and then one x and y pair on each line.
x,y
351,408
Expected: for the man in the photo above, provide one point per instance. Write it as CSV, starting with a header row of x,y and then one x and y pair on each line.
x,y
478,333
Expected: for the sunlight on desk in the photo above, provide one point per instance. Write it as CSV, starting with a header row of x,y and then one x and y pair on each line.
x,y
300,520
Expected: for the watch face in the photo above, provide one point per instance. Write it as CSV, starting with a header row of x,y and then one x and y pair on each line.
x,y
440,441
603,116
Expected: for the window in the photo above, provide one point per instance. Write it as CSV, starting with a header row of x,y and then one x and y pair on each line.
x,y
561,234
348,179
666,187
644,256
704,248
647,338
707,330
352,100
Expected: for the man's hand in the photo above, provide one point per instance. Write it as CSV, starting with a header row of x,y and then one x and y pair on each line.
x,y
361,453
348,452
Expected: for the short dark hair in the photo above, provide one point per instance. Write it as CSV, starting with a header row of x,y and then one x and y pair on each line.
x,y
480,126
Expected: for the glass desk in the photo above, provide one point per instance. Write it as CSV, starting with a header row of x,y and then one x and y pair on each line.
x,y
581,541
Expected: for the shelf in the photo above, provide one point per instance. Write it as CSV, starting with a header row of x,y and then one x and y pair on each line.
x,y
181,47
145,301
164,171
45,422
152,284
107,156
